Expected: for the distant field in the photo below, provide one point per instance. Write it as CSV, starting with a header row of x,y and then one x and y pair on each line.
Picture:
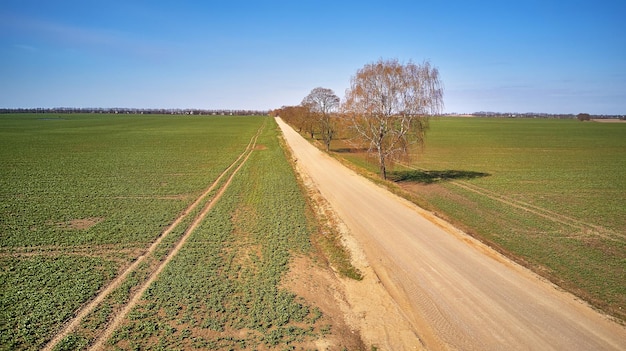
x,y
84,196
551,193
130,174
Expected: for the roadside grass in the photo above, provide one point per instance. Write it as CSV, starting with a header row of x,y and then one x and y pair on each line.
x,y
81,182
222,290
338,256
328,237
548,193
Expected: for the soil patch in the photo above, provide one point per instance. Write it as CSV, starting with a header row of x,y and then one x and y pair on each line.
x,y
609,120
81,223
320,287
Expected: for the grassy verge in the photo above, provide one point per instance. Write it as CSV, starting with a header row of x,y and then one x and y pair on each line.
x,y
328,238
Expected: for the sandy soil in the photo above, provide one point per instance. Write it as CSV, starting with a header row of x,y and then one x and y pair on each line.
x,y
448,289
607,120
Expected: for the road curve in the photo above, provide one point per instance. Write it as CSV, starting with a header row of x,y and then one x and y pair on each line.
x,y
457,293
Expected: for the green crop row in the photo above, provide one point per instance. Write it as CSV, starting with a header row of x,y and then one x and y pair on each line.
x,y
40,292
132,172
223,290
95,322
566,166
85,181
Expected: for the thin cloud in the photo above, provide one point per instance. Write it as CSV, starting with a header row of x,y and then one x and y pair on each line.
x,y
94,40
26,47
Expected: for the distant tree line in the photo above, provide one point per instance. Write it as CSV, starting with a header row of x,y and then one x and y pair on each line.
x,y
159,111
580,116
583,117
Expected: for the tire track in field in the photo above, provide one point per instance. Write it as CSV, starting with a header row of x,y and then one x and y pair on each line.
x,y
73,323
19,251
534,209
540,211
119,318
108,251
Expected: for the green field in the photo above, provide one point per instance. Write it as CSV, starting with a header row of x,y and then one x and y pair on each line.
x,y
83,196
132,174
550,193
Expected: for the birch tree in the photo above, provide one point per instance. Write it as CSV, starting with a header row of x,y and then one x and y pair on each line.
x,y
322,102
389,105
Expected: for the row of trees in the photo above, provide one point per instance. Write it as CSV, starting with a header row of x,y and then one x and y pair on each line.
x,y
386,109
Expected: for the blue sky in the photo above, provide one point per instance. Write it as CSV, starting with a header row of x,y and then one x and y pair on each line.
x,y
508,56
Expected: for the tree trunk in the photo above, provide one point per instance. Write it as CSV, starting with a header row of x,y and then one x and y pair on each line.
x,y
328,137
381,153
383,168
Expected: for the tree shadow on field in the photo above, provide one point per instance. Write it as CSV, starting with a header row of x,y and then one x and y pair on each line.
x,y
429,177
349,150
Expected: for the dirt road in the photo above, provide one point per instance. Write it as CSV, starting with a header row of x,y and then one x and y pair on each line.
x,y
457,293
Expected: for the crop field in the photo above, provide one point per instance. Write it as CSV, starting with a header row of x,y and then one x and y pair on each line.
x,y
149,232
549,193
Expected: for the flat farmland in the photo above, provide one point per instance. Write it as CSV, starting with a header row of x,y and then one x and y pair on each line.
x,y
549,193
149,232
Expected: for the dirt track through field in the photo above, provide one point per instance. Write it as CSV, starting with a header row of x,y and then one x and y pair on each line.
x,y
536,210
540,211
458,293
117,319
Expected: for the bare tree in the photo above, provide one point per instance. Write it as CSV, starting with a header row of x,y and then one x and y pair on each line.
x,y
296,116
322,102
389,104
309,122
